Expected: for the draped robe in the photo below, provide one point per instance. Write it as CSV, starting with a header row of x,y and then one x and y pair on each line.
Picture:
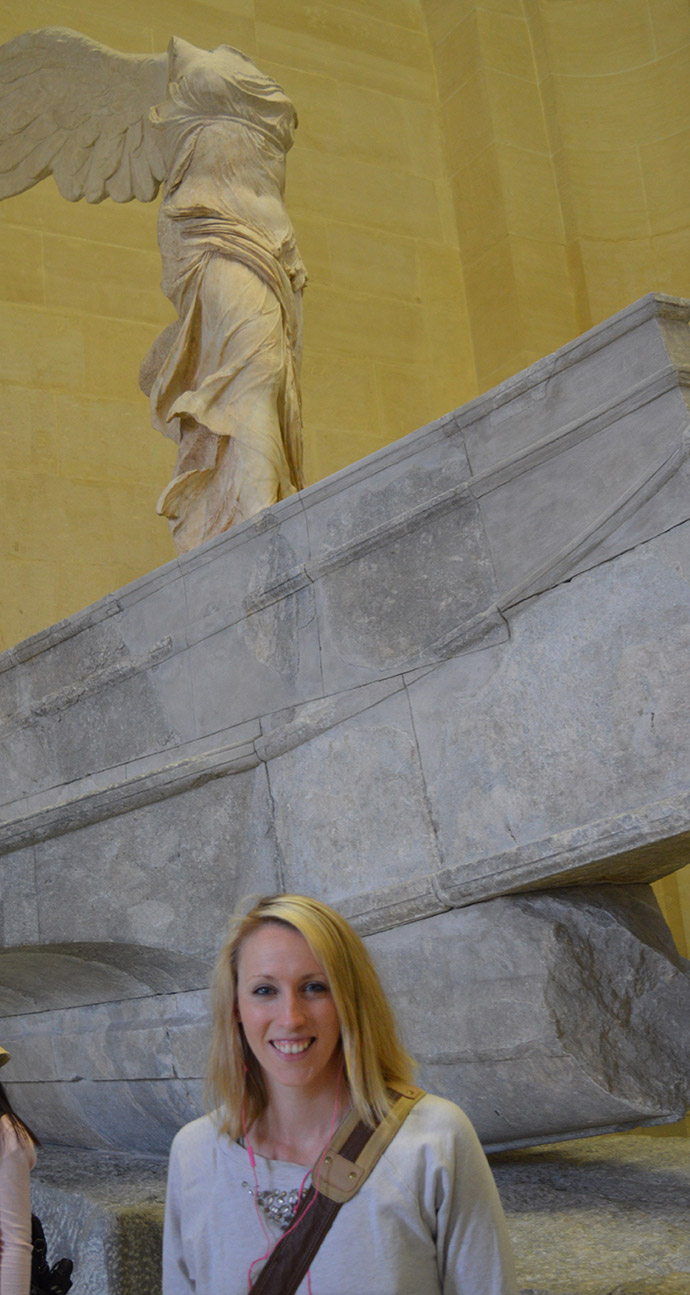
x,y
223,380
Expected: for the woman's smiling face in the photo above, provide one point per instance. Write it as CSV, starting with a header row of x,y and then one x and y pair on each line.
x,y
285,1006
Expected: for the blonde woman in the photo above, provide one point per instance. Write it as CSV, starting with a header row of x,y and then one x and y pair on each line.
x,y
286,1187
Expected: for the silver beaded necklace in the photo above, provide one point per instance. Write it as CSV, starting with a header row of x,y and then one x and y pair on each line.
x,y
279,1206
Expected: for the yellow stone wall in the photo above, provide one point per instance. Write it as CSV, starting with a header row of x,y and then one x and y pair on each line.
x,y
567,125
474,183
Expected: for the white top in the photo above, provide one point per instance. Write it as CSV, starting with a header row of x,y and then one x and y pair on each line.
x,y
17,1159
427,1221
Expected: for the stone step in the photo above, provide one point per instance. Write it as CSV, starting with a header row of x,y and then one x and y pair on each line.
x,y
599,1216
103,1210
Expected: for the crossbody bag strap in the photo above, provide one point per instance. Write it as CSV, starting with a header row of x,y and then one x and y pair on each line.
x,y
350,1157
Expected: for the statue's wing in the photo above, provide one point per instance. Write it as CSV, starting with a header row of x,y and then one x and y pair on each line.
x,y
73,107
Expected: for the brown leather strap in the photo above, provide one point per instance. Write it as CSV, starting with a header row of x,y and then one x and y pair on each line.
x,y
288,1263
349,1162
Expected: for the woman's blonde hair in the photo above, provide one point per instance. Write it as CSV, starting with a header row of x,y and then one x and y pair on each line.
x,y
373,1055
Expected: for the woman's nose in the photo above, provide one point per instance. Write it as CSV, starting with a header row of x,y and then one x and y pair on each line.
x,y
293,1010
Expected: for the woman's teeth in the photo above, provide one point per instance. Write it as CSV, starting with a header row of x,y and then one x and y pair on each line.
x,y
291,1048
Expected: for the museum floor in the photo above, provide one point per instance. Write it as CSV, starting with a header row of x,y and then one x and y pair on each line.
x,y
599,1216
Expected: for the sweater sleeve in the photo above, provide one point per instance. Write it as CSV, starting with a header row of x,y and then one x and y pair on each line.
x,y
15,1219
473,1247
176,1277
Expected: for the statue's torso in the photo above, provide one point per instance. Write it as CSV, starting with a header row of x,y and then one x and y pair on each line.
x,y
230,170
225,128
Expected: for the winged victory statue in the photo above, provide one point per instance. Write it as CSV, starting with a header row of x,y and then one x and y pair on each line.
x,y
213,132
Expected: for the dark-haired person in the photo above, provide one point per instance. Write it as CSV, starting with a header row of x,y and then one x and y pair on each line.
x,y
17,1159
305,1044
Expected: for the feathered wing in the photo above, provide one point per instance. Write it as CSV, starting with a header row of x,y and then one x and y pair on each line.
x,y
73,107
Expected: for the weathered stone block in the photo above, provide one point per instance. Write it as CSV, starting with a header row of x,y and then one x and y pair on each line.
x,y
600,369
263,552
351,803
109,1042
617,462
18,899
565,1011
584,709
405,599
169,874
541,1015
104,1212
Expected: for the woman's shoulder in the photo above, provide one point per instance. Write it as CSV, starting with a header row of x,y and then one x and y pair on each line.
x,y
201,1139
437,1142
436,1124
14,1139
201,1132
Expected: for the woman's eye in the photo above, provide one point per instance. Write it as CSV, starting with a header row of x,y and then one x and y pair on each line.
x,y
263,991
316,987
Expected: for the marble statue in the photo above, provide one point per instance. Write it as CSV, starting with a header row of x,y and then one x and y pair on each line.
x,y
213,131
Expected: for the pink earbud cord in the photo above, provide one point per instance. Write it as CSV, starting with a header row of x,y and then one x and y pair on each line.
x,y
271,1245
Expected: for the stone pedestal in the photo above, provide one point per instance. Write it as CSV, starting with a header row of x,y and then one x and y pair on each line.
x,y
574,1000
442,682
105,1212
